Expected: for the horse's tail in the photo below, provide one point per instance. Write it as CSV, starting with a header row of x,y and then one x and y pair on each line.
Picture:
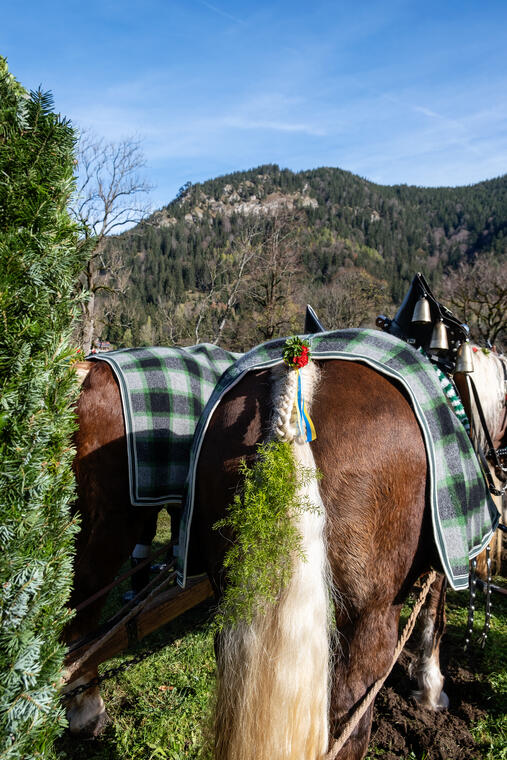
x,y
82,369
273,687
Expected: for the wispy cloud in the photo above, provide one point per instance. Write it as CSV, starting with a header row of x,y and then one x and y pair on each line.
x,y
375,88
276,126
427,112
450,131
221,12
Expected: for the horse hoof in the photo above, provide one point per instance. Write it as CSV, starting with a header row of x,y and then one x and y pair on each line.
x,y
429,703
94,728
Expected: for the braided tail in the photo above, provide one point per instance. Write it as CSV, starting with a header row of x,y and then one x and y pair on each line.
x,y
272,701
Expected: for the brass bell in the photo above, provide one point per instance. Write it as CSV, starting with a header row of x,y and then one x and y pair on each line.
x,y
439,342
422,313
464,359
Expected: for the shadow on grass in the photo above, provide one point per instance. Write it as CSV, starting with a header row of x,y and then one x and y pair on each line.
x,y
106,746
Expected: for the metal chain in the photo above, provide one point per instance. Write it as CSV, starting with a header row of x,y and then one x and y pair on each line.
x,y
487,611
135,660
471,604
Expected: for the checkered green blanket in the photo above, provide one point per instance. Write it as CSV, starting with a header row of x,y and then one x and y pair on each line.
x,y
163,391
464,515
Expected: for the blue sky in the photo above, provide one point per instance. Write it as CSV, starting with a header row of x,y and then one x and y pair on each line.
x,y
397,91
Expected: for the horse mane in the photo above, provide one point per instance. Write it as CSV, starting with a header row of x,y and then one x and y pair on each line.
x,y
489,379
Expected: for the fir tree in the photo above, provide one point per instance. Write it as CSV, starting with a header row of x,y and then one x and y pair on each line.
x,y
39,265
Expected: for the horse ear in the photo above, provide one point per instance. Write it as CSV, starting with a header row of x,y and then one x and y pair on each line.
x,y
312,322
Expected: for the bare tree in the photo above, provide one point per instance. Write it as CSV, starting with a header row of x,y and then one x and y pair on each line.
x,y
117,281
274,279
209,314
478,293
228,269
110,196
354,298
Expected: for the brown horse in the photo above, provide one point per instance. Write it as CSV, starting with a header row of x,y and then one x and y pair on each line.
x,y
110,526
289,681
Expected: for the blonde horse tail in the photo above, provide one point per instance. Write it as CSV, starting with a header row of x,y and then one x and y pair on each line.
x,y
273,675
82,369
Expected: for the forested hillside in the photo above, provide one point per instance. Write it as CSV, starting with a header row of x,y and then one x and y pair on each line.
x,y
235,258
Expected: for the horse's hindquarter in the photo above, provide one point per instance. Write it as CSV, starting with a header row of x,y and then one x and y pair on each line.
x,y
371,454
370,451
100,437
108,523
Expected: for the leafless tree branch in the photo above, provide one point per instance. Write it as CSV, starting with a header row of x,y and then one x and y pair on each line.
x,y
478,292
110,195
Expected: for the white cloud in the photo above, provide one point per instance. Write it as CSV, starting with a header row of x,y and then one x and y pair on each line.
x,y
221,12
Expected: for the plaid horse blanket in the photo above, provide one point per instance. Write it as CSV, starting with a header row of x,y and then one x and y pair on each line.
x,y
464,515
163,392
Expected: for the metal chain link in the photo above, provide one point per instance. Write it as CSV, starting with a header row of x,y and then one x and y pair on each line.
x,y
487,605
472,582
135,660
121,668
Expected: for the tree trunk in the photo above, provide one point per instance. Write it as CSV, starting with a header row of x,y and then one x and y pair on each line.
x,y
88,324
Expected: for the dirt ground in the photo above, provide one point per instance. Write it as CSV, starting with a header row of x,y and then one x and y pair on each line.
x,y
402,729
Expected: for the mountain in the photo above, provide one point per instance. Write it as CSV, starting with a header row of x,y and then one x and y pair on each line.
x,y
333,226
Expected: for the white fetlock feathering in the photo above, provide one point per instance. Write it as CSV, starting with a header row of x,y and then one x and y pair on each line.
x,y
427,670
273,691
86,711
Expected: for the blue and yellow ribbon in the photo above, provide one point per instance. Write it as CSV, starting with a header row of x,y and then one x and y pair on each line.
x,y
305,424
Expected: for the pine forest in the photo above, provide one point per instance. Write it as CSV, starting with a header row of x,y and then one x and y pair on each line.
x,y
235,259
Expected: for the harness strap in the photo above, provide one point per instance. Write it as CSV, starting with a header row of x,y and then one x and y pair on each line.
x,y
487,474
492,451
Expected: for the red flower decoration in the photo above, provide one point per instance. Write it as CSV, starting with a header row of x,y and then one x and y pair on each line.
x,y
296,353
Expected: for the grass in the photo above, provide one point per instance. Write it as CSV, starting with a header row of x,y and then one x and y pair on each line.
x,y
159,708
490,665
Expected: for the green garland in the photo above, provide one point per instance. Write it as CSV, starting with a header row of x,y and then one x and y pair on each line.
x,y
266,538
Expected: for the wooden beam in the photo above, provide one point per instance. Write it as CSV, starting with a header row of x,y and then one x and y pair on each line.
x,y
163,608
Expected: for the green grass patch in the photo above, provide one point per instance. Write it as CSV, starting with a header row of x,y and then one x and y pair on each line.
x,y
489,664
160,708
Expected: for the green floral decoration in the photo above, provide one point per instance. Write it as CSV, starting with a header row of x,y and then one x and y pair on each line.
x,y
262,522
